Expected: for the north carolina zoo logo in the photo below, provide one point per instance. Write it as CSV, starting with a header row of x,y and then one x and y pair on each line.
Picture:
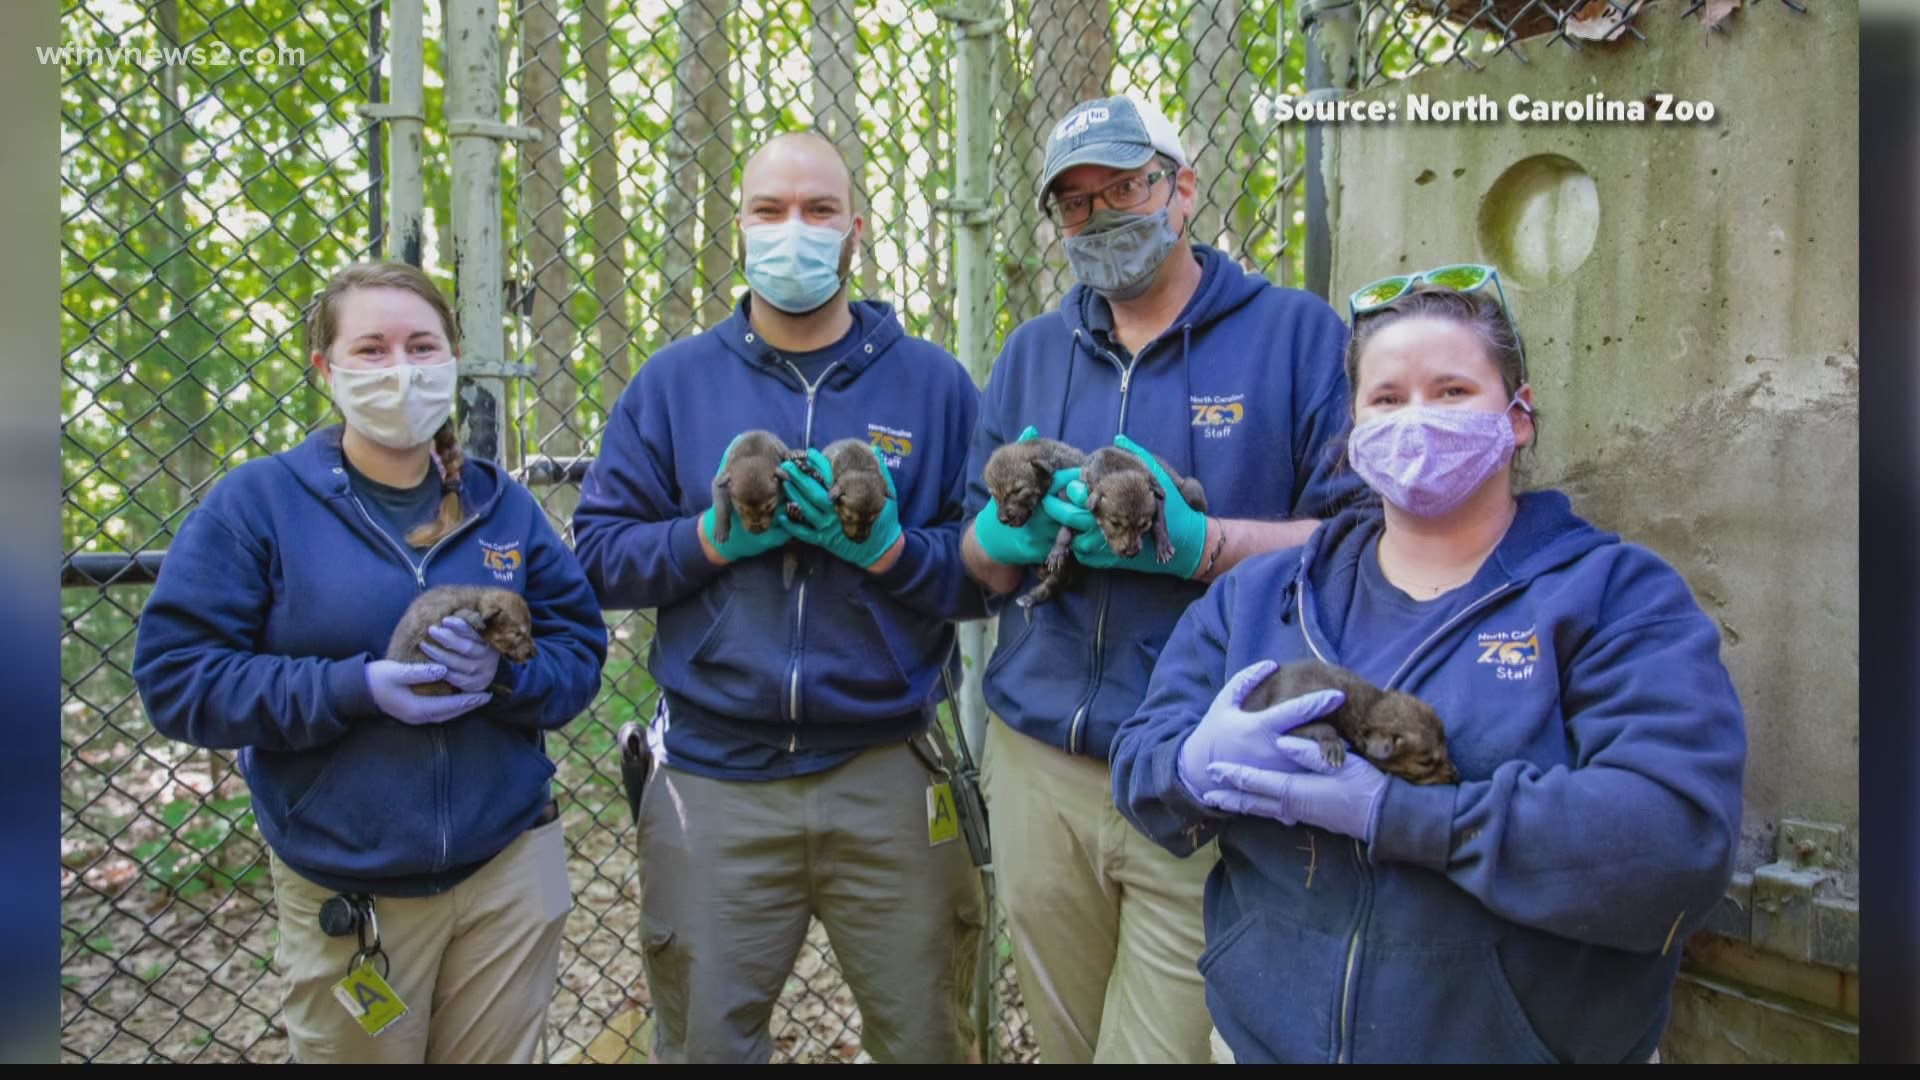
x,y
1511,652
501,559
894,444
1216,414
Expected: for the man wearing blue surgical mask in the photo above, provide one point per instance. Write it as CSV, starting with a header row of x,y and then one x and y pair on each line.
x,y
1166,348
799,667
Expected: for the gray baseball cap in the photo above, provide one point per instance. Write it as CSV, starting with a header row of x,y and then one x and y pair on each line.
x,y
1118,132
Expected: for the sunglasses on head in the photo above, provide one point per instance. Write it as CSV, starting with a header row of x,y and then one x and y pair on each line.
x,y
1461,277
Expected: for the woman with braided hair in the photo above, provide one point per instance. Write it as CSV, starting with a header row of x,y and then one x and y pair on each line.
x,y
420,874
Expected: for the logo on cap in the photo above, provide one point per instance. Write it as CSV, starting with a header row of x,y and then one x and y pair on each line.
x,y
1080,121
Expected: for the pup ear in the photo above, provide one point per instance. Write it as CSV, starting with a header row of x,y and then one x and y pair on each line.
x,y
835,494
1093,503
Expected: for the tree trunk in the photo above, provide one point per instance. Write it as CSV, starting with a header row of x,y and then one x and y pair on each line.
x,y
712,143
939,260
543,175
1073,62
185,340
695,78
836,113
1216,92
1021,226
609,228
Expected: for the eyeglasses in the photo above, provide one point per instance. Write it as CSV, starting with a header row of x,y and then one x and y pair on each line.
x,y
1068,211
1461,277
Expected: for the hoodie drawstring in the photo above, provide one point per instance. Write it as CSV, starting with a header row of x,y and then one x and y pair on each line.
x,y
1186,370
1066,393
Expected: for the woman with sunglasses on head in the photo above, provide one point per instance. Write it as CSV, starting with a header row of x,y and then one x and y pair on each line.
x,y
1535,909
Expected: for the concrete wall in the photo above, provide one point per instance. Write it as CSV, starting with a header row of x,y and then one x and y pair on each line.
x,y
1687,294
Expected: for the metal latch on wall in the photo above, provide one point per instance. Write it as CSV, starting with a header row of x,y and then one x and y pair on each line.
x,y
968,23
492,129
1801,905
967,211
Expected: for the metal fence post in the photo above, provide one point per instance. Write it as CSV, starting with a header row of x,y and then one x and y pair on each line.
x,y
474,131
1332,30
975,27
405,114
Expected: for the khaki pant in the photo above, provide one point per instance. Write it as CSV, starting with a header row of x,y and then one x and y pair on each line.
x,y
1222,1054
732,873
1107,927
476,966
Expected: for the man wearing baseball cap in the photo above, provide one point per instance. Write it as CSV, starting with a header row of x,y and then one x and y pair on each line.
x,y
1169,350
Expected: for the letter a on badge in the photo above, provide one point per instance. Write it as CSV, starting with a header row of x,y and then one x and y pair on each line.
x,y
942,822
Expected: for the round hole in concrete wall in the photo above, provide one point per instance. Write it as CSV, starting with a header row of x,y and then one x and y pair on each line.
x,y
1539,219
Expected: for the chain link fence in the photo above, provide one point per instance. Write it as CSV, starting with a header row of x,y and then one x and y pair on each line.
x,y
206,199
1398,38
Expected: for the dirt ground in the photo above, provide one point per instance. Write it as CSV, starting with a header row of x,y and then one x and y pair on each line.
x,y
157,970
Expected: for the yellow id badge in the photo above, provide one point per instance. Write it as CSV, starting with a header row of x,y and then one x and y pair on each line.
x,y
369,999
943,822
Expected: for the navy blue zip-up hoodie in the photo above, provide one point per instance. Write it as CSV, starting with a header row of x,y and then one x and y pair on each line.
x,y
1247,391
276,592
843,658
1536,910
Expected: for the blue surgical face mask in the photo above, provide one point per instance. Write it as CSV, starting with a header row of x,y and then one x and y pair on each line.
x,y
794,266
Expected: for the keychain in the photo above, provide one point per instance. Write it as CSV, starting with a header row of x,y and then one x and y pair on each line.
x,y
364,993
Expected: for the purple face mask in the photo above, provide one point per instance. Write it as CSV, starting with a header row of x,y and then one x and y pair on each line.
x,y
1428,459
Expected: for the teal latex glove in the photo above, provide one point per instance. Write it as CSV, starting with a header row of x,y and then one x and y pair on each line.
x,y
1186,527
822,528
1021,545
740,543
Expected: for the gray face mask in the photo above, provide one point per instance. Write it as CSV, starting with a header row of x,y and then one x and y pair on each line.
x,y
1117,254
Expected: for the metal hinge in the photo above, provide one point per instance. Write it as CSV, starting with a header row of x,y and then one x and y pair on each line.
x,y
1800,905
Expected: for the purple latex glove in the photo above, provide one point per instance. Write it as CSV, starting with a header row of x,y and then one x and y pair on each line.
x,y
470,662
1305,790
392,682
1227,734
